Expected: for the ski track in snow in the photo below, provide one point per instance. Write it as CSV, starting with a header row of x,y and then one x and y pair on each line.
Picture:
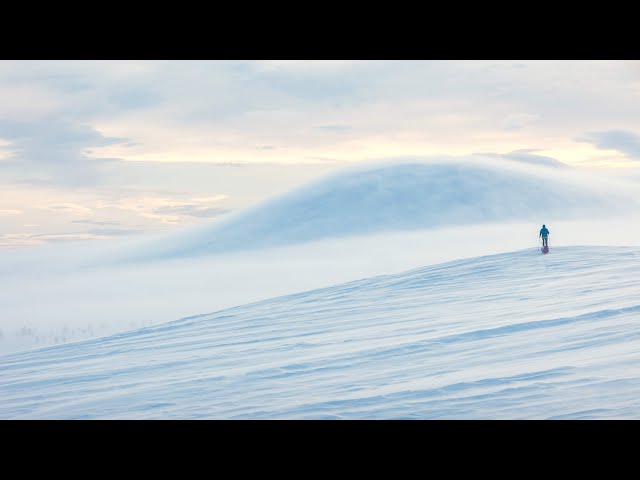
x,y
507,336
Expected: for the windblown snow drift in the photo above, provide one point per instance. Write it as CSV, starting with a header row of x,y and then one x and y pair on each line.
x,y
514,335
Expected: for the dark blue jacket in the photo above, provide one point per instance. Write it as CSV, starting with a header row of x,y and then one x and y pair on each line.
x,y
544,232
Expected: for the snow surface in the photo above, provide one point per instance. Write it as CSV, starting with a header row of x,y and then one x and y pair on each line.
x,y
512,335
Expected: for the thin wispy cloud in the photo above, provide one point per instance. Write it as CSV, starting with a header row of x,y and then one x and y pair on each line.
x,y
518,121
529,156
191,211
336,128
621,140
94,222
67,208
53,150
112,232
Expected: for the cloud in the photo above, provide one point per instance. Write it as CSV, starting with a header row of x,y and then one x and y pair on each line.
x,y
334,128
94,222
54,151
112,232
67,208
14,240
25,102
621,140
221,110
323,159
162,207
304,65
518,121
528,156
134,98
191,211
301,83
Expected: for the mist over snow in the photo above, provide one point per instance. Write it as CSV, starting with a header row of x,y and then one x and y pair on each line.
x,y
363,221
407,195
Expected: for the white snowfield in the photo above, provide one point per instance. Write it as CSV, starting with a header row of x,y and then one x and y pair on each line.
x,y
515,335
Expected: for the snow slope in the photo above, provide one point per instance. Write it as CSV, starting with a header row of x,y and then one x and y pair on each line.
x,y
512,335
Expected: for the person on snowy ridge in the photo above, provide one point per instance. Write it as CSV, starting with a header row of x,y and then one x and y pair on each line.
x,y
544,233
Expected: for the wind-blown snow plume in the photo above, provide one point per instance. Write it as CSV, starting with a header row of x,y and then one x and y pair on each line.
x,y
406,195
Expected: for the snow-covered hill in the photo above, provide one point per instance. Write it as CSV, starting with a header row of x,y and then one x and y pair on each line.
x,y
513,335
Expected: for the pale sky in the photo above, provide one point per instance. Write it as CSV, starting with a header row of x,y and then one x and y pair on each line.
x,y
99,149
